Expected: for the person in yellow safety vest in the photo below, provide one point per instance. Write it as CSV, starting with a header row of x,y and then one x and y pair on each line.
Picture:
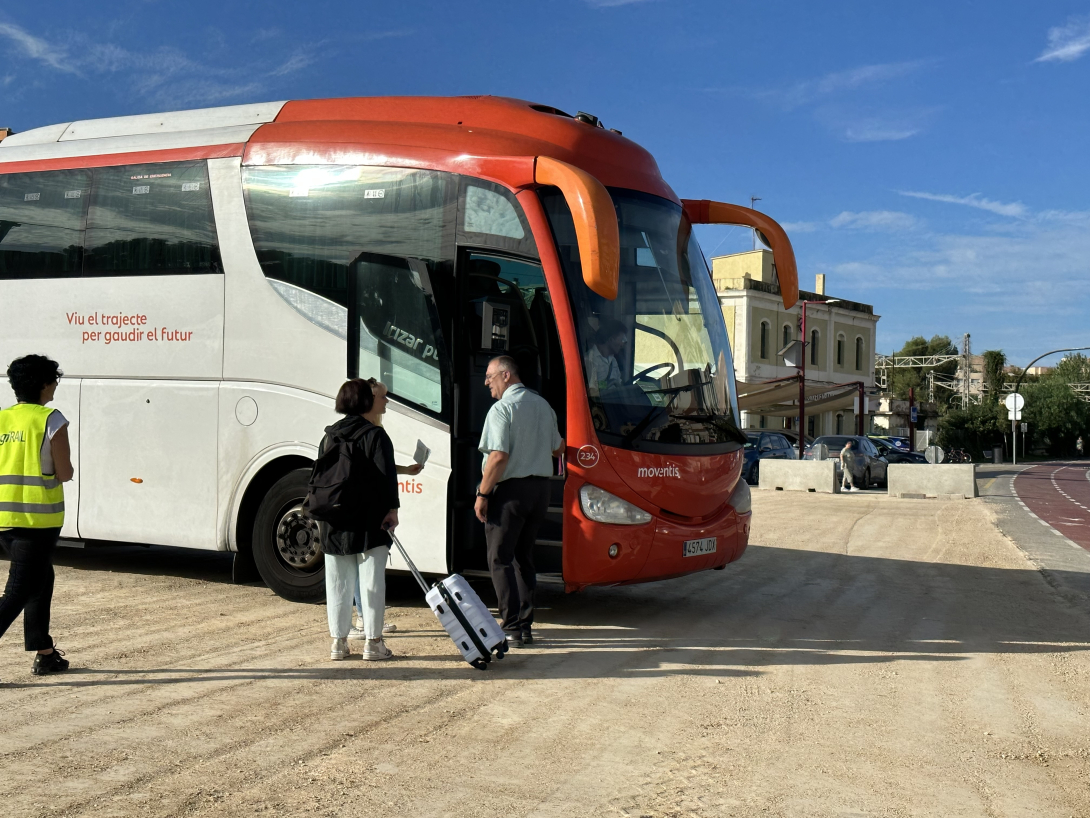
x,y
35,460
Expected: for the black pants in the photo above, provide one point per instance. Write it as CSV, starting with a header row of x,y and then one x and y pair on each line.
x,y
30,583
515,511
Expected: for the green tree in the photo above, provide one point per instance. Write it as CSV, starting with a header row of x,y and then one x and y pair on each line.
x,y
1055,414
904,378
974,429
994,379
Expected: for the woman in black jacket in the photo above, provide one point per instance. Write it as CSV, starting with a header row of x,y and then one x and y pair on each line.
x,y
361,548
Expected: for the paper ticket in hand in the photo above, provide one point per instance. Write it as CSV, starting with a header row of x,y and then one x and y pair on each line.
x,y
422,453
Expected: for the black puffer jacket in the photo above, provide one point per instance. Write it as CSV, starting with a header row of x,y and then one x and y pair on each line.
x,y
373,464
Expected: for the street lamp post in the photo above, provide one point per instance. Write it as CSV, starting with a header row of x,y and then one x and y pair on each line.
x,y
802,370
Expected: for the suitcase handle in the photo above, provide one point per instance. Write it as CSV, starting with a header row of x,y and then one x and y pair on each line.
x,y
412,566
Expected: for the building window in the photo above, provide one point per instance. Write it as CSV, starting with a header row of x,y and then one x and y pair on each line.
x,y
840,350
839,424
811,426
858,354
766,330
762,423
786,336
814,347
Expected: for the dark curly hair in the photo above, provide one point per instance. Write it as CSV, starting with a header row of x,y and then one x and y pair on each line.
x,y
30,374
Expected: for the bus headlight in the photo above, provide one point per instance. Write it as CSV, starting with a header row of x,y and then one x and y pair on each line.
x,y
602,507
741,500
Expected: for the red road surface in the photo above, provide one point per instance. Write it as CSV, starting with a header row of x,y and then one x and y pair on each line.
x,y
1059,493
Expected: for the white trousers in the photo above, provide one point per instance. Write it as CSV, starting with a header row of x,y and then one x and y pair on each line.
x,y
341,574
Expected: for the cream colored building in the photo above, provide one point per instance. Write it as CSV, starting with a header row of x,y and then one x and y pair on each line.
x,y
759,328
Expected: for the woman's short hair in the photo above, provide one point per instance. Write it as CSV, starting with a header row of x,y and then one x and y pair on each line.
x,y
356,397
31,374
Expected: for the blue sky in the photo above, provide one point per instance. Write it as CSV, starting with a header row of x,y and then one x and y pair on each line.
x,y
932,161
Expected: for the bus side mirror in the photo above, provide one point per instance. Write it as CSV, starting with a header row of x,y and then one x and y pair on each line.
x,y
705,211
595,218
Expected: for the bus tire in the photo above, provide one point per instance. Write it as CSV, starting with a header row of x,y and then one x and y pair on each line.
x,y
285,542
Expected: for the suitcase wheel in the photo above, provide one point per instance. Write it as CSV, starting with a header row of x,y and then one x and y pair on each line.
x,y
480,664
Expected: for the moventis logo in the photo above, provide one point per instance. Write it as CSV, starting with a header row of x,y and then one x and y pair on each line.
x,y
669,470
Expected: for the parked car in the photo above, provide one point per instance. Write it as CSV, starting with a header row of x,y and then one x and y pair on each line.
x,y
793,438
894,455
870,467
760,446
900,443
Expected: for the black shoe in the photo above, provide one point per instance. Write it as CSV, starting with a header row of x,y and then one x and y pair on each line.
x,y
514,639
527,637
49,663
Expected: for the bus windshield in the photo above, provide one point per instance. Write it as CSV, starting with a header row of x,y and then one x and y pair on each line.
x,y
656,359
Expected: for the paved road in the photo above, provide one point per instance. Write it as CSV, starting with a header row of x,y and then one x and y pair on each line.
x,y
1059,494
868,657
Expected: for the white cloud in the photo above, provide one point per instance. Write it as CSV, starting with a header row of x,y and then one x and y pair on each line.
x,y
878,132
1015,209
875,220
168,75
36,48
1067,42
853,79
799,227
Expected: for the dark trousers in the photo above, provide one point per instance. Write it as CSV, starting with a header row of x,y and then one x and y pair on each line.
x,y
30,583
515,511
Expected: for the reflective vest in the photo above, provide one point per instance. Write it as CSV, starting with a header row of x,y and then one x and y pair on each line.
x,y
28,498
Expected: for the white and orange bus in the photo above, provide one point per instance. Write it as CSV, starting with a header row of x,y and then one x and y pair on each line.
x,y
207,279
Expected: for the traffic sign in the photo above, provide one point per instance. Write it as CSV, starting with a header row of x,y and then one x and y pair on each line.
x,y
1014,402
912,414
1025,428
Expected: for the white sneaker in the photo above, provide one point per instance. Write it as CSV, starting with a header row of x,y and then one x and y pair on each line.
x,y
375,650
339,650
389,627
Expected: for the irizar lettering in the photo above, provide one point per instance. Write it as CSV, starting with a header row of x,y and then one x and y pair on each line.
x,y
410,341
13,437
669,470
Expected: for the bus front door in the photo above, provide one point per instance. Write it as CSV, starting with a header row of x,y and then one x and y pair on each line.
x,y
504,309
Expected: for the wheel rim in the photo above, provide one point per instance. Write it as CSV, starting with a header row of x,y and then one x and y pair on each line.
x,y
297,543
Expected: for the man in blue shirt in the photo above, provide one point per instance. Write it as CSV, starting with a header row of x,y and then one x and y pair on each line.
x,y
519,441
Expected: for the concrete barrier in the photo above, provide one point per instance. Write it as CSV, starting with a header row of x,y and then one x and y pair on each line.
x,y
799,475
916,480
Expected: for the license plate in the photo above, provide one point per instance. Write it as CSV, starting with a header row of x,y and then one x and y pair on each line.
x,y
694,548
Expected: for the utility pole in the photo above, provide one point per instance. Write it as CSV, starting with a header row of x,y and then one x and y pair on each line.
x,y
967,349
752,201
911,422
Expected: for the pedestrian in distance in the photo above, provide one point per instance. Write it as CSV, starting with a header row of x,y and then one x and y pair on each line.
x,y
519,440
359,628
1079,446
354,496
35,462
847,464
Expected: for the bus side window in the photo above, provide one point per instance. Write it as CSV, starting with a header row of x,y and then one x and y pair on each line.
x,y
41,218
151,220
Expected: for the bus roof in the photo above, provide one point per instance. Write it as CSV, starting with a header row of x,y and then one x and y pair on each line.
x,y
494,137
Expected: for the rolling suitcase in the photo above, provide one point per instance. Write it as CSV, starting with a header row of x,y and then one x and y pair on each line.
x,y
475,632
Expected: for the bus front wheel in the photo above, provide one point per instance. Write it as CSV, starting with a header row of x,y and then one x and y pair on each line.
x,y
287,551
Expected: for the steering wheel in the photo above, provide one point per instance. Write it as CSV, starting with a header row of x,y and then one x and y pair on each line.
x,y
640,375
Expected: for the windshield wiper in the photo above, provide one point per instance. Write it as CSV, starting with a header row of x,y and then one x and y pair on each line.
x,y
641,427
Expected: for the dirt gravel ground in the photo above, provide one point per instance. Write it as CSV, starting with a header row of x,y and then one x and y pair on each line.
x,y
867,657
